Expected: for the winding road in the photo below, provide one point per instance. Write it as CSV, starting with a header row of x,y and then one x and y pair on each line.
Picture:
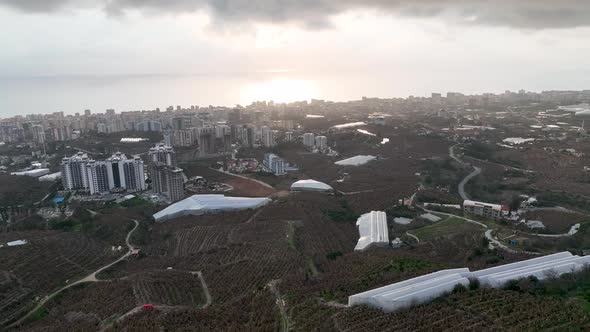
x,y
488,233
476,172
468,178
90,278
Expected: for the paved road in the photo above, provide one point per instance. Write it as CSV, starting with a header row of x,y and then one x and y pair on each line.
x,y
558,209
468,178
495,242
454,156
413,236
90,278
245,177
505,166
476,172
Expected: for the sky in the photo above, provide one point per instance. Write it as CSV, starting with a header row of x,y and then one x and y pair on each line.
x,y
139,54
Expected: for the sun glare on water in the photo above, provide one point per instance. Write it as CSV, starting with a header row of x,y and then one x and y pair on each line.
x,y
279,91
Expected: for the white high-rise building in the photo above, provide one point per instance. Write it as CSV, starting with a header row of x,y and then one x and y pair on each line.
x,y
125,173
321,142
164,154
268,137
99,177
39,133
167,179
274,163
73,172
309,139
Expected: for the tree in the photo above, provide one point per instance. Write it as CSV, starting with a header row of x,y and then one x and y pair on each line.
x,y
515,203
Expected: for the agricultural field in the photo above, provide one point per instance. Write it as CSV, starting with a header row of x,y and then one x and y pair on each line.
x,y
447,228
47,262
556,222
477,310
85,307
290,264
57,252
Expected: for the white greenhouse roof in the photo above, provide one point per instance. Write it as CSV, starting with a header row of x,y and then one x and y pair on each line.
x,y
373,230
201,204
356,161
427,287
310,185
51,177
349,125
17,243
33,173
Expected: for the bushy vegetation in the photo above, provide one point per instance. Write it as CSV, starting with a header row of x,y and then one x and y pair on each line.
x,y
21,190
135,202
570,285
345,214
488,152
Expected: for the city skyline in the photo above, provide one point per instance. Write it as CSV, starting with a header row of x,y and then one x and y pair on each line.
x,y
195,107
126,56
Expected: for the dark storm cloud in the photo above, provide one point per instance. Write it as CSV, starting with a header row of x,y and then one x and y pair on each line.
x,y
314,13
35,5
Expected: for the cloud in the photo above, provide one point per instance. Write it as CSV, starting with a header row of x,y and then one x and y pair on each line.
x,y
35,6
533,14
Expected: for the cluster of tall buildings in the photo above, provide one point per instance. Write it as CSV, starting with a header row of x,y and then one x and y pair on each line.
x,y
167,178
115,174
318,142
210,139
119,173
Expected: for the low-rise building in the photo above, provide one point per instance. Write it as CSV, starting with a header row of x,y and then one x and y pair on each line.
x,y
494,211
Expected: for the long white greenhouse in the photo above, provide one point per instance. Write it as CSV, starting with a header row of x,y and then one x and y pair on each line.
x,y
356,160
201,204
310,185
427,287
372,230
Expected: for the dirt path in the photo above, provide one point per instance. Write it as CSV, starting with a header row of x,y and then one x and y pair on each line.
x,y
272,286
136,310
90,278
413,236
208,297
456,216
356,192
246,178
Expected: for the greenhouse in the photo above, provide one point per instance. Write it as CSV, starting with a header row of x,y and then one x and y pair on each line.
x,y
310,185
201,204
425,288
